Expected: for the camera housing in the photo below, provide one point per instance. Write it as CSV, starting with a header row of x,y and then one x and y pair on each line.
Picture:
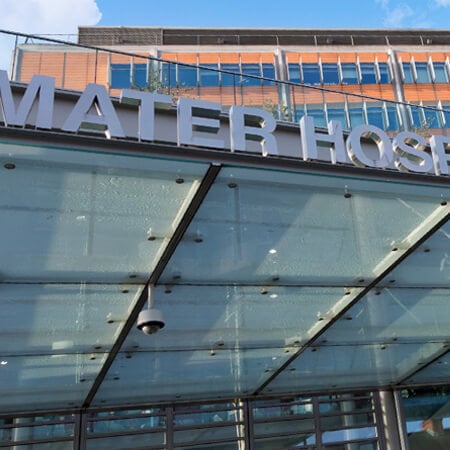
x,y
150,321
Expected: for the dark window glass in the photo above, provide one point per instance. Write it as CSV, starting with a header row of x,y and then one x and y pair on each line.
x,y
375,116
251,69
349,73
318,113
228,79
294,73
446,115
368,74
140,75
416,117
120,76
168,76
330,73
337,113
407,73
311,73
392,116
187,76
268,72
423,74
431,118
209,78
440,72
385,77
356,114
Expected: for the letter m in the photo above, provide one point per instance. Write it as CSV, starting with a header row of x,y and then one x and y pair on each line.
x,y
39,85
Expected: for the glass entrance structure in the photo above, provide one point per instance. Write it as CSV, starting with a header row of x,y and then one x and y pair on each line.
x,y
305,303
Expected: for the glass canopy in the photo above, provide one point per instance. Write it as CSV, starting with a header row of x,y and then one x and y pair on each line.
x,y
270,281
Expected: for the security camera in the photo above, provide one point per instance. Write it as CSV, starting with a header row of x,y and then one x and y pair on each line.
x,y
150,321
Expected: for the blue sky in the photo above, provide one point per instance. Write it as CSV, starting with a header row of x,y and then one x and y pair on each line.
x,y
273,13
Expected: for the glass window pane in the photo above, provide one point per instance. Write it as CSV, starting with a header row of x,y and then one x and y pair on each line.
x,y
407,73
294,73
318,113
120,76
385,77
446,115
416,116
311,73
440,72
392,115
209,78
427,417
368,74
375,116
229,79
349,73
356,114
431,118
268,72
330,73
169,77
337,112
251,69
140,75
423,74
187,76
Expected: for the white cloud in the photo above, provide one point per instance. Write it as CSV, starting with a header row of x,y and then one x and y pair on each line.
x,y
443,3
43,17
396,16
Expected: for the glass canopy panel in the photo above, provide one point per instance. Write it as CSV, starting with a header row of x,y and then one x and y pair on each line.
x,y
206,373
204,323
400,315
46,381
429,265
436,372
56,319
79,216
349,366
258,225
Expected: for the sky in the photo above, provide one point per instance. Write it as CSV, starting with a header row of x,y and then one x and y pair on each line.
x,y
62,17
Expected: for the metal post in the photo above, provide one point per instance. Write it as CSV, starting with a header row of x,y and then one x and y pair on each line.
x,y
390,421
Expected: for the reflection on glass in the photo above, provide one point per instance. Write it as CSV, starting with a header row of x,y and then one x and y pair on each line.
x,y
427,414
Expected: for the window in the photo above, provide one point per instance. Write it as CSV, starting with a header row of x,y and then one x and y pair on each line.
x,y
416,116
385,76
431,118
446,115
422,72
209,78
318,113
229,79
120,76
169,75
337,112
294,73
368,73
407,73
251,69
187,76
375,116
140,75
349,73
268,72
356,114
330,73
311,73
392,118
440,72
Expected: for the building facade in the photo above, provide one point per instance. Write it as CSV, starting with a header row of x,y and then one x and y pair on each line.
x,y
302,268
